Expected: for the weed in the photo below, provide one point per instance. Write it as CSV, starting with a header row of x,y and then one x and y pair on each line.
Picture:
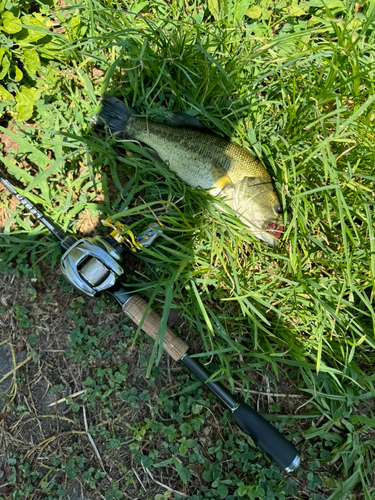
x,y
21,315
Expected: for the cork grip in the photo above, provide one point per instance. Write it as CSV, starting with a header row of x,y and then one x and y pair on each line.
x,y
135,309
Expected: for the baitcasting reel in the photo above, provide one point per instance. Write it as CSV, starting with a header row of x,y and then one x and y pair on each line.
x,y
92,265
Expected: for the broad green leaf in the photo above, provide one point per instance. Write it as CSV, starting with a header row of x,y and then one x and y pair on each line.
x,y
31,60
6,42
281,4
5,65
354,24
184,473
44,20
11,24
4,94
295,11
24,111
75,26
15,73
330,483
336,4
35,29
2,5
25,98
223,490
254,12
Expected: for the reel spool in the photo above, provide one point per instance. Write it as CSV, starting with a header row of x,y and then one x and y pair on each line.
x,y
91,265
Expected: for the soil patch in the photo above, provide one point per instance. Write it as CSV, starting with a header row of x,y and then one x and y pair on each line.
x,y
37,423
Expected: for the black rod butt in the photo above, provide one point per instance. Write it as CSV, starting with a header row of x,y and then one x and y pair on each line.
x,y
267,437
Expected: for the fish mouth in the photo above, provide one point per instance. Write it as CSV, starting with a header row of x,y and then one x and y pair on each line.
x,y
274,229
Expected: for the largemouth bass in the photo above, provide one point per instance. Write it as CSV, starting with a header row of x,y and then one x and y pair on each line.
x,y
207,160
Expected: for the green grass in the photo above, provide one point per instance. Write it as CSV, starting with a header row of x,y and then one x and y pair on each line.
x,y
295,84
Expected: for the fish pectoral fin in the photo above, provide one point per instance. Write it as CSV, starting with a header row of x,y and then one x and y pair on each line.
x,y
221,177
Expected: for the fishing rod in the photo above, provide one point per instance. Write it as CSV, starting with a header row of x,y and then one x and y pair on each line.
x,y
93,265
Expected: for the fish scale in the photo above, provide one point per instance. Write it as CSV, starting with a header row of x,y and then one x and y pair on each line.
x,y
207,160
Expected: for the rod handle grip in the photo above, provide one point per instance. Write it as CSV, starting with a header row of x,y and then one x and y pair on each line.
x,y
135,309
267,437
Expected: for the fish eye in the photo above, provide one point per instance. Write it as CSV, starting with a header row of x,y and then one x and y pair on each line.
x,y
278,209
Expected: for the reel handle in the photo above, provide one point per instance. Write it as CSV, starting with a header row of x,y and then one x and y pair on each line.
x,y
135,308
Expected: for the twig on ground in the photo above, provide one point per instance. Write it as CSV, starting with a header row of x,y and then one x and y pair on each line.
x,y
179,493
275,394
93,444
139,479
144,470
13,370
62,400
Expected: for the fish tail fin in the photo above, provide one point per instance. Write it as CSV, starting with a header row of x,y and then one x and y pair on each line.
x,y
114,115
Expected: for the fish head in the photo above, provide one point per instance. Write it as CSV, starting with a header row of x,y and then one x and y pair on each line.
x,y
258,203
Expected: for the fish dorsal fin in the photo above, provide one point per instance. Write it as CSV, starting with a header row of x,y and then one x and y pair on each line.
x,y
184,120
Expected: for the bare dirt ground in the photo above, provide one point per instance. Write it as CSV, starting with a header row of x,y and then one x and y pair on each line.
x,y
33,421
